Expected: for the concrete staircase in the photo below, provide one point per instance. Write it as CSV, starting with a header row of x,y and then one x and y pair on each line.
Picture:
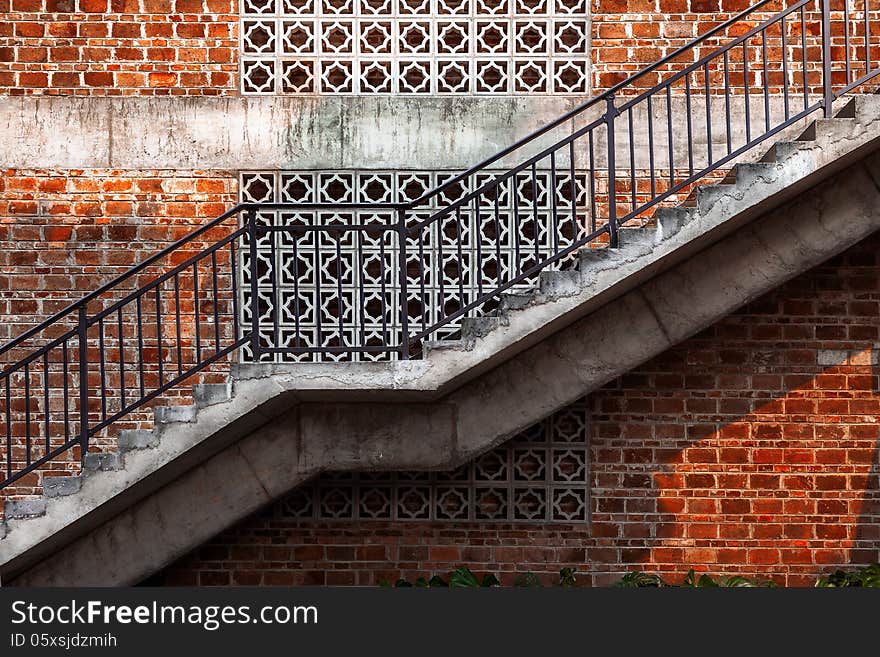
x,y
246,443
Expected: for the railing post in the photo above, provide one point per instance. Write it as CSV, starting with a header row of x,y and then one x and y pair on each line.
x,y
610,114
82,336
827,91
403,283
251,224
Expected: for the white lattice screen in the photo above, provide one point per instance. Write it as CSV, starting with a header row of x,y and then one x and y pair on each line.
x,y
345,291
541,475
414,46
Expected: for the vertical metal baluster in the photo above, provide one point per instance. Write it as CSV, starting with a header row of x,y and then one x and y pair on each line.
x,y
497,234
297,339
103,370
846,39
8,425
27,411
610,114
669,136
727,100
746,91
535,218
216,301
159,356
140,332
804,56
785,70
766,81
458,251
234,283
554,218
319,321
477,228
651,149
687,111
573,184
360,282
592,175
515,226
708,115
404,283
382,234
423,304
121,346
867,40
341,304
82,331
632,160
66,392
440,269
46,419
827,90
177,323
197,311
251,225
274,269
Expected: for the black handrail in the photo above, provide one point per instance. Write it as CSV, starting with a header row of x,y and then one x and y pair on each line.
x,y
422,265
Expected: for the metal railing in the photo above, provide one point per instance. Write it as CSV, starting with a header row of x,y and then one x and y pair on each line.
x,y
374,280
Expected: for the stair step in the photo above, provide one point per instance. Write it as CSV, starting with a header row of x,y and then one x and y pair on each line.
x,y
514,301
747,173
208,394
552,283
478,327
671,220
634,235
131,439
61,486
589,257
821,127
104,461
25,508
429,346
782,150
169,414
708,195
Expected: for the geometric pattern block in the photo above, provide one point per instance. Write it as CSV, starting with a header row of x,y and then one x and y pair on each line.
x,y
337,289
421,47
540,476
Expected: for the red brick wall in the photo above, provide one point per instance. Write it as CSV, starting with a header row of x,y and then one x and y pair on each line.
x,y
119,47
63,233
190,47
734,452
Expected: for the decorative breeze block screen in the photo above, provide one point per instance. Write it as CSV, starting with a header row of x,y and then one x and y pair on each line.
x,y
414,46
540,475
336,290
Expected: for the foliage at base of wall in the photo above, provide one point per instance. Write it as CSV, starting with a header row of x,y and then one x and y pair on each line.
x,y
867,576
463,578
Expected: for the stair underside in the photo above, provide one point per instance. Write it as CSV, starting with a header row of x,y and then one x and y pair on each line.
x,y
202,469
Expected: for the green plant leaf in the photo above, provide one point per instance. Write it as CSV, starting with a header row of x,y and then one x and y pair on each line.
x,y
489,580
421,583
638,579
528,579
403,584
566,577
463,578
706,582
437,582
384,583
